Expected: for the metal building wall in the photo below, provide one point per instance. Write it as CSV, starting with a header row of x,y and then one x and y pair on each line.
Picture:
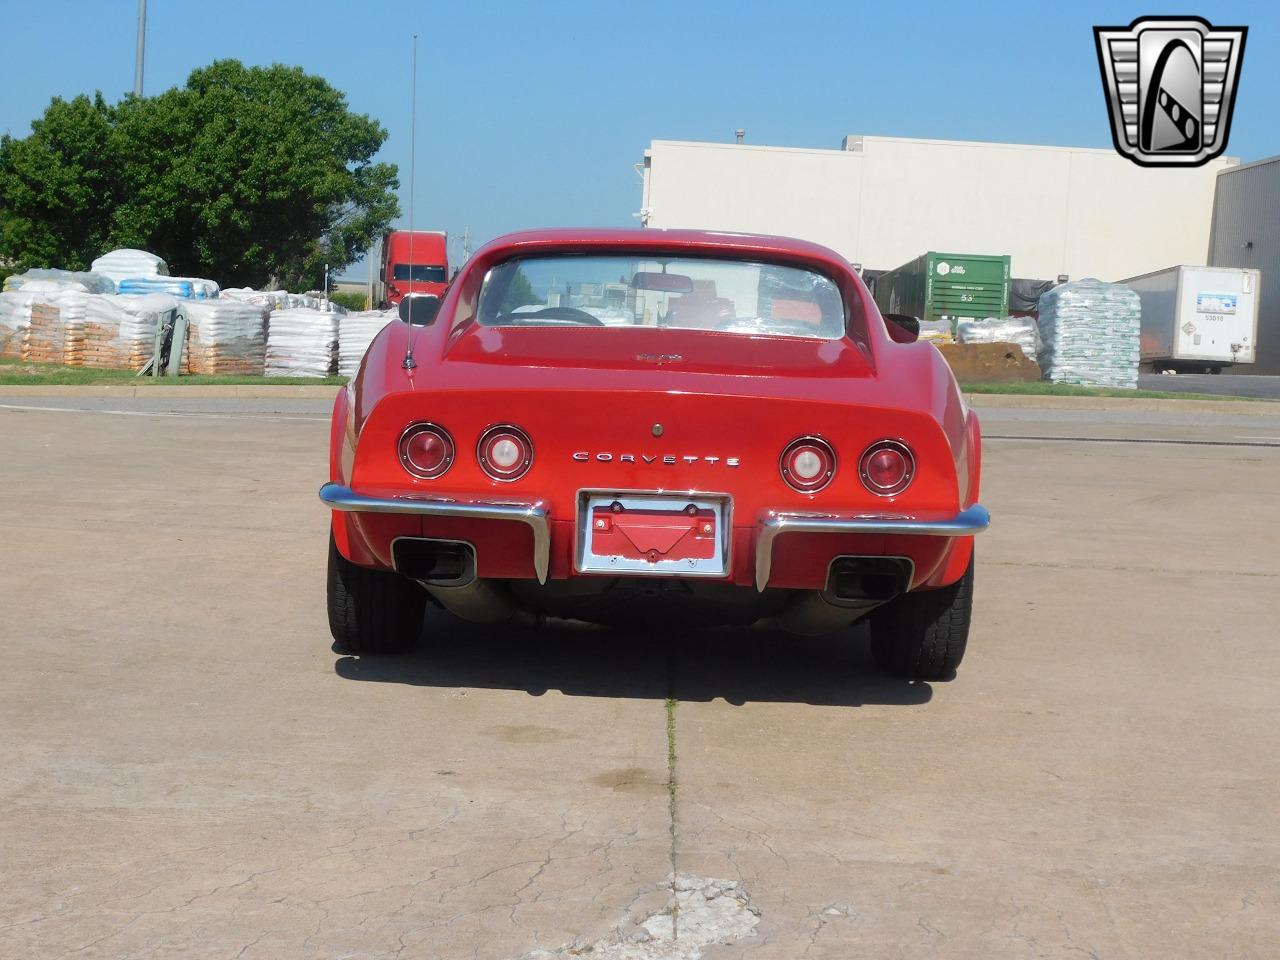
x,y
882,201
1246,233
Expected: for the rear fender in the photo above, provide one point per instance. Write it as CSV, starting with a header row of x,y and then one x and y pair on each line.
x,y
974,452
346,532
956,562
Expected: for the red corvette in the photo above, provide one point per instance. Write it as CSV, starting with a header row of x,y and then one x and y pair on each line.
x,y
609,425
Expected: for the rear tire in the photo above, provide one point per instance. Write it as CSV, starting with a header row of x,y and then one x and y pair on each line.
x,y
372,611
922,635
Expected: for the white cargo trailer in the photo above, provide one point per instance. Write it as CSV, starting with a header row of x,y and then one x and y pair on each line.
x,y
1198,319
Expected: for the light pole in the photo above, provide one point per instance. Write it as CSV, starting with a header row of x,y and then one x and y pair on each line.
x,y
140,55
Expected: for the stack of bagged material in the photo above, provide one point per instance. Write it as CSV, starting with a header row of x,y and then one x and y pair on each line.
x,y
307,301
189,288
302,343
271,299
56,334
46,336
283,300
355,332
936,331
15,321
1089,333
120,331
67,279
125,263
1019,330
225,336
302,301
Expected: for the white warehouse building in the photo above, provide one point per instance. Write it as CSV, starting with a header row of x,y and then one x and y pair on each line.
x,y
882,201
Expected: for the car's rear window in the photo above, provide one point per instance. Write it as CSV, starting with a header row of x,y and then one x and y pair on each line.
x,y
735,296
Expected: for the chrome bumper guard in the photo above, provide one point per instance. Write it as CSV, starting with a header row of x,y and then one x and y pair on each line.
x,y
532,513
963,524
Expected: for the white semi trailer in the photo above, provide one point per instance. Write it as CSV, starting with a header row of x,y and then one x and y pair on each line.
x,y
1198,319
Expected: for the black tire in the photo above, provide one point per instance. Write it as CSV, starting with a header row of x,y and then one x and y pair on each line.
x,y
922,635
372,611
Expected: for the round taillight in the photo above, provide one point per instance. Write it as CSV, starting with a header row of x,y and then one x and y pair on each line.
x,y
808,464
504,452
887,468
426,450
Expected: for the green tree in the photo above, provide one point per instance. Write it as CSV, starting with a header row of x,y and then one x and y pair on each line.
x,y
519,293
247,175
59,185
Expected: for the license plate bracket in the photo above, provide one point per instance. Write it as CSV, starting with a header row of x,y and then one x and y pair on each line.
x,y
659,534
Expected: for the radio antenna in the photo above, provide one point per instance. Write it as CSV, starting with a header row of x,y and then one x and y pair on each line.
x,y
409,363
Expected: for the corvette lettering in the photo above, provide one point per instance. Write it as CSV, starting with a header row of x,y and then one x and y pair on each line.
x,y
667,460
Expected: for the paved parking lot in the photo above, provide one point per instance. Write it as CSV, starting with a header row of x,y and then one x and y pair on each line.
x,y
190,771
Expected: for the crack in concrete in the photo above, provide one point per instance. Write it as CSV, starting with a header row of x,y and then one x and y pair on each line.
x,y
701,911
710,912
671,810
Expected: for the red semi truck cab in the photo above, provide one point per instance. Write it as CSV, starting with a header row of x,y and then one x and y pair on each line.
x,y
430,273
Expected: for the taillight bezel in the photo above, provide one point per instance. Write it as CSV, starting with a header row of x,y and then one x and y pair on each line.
x,y
818,484
887,444
413,430
490,434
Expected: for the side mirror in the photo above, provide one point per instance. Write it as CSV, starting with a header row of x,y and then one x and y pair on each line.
x,y
902,328
419,309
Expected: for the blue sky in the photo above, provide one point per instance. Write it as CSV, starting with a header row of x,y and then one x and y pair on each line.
x,y
532,112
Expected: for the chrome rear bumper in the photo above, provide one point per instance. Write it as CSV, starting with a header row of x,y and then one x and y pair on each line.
x,y
963,524
537,516
532,513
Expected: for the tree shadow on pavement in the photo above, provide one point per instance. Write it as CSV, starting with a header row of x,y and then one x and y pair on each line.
x,y
738,665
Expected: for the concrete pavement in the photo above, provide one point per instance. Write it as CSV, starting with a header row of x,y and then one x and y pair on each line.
x,y
190,771
1097,779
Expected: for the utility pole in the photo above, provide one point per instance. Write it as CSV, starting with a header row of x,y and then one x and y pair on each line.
x,y
408,363
140,55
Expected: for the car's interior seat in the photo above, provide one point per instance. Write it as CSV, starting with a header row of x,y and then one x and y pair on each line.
x,y
701,309
796,311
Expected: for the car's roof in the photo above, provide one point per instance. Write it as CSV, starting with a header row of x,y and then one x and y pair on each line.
x,y
570,239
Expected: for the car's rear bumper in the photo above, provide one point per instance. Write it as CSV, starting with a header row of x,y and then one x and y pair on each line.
x,y
966,523
536,515
533,513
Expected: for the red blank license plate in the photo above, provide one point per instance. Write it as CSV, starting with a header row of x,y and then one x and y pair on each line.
x,y
662,535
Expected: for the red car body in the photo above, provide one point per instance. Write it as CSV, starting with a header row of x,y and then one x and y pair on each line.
x,y
648,411
428,251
